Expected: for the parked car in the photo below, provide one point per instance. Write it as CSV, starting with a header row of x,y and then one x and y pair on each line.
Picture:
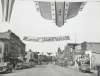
x,y
5,67
27,65
84,68
24,65
65,63
19,66
32,64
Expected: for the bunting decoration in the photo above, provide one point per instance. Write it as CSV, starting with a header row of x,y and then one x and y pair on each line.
x,y
7,6
46,39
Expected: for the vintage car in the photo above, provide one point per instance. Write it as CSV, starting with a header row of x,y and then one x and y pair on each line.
x,y
84,68
5,67
64,64
19,66
32,64
26,65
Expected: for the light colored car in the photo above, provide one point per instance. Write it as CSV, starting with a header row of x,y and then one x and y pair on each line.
x,y
5,67
84,68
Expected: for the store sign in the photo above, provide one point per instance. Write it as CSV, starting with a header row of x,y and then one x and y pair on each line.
x,y
46,39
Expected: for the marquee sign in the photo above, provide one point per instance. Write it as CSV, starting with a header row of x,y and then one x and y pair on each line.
x,y
46,39
59,11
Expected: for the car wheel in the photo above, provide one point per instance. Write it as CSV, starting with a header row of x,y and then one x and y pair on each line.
x,y
10,71
80,70
83,71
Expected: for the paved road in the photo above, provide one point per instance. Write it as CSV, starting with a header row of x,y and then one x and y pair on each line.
x,y
48,70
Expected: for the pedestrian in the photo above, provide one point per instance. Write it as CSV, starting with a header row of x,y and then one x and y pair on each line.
x,y
13,65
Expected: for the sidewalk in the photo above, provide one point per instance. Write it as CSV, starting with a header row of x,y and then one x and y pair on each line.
x,y
76,68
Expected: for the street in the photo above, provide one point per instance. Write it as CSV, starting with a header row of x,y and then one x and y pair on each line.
x,y
48,70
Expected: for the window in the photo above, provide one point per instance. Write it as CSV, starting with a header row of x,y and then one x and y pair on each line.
x,y
0,49
5,47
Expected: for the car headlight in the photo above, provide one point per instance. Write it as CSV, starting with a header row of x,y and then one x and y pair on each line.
x,y
4,67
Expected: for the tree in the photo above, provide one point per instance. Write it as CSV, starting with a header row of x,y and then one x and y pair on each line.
x,y
49,54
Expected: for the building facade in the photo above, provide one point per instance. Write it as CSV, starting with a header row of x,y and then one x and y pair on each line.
x,y
13,46
1,51
69,51
29,56
93,50
93,46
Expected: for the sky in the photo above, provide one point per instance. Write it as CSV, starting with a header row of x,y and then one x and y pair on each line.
x,y
26,21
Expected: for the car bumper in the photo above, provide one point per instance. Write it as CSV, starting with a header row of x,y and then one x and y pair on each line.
x,y
2,71
86,69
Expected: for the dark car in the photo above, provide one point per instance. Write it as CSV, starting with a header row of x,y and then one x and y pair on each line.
x,y
19,66
65,63
84,68
5,67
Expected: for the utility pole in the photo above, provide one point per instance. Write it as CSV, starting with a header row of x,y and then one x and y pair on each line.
x,y
75,38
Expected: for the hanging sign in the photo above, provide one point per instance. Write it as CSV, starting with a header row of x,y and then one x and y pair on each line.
x,y
46,39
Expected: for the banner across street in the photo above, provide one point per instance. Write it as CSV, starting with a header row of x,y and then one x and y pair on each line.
x,y
46,39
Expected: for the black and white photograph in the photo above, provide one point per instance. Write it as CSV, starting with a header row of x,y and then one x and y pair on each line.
x,y
49,37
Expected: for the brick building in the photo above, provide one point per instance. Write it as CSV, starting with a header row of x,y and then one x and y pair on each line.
x,y
13,46
69,51
93,46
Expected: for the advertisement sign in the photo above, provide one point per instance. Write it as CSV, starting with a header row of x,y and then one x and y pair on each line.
x,y
46,39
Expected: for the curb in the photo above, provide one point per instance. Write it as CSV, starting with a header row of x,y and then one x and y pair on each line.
x,y
76,68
